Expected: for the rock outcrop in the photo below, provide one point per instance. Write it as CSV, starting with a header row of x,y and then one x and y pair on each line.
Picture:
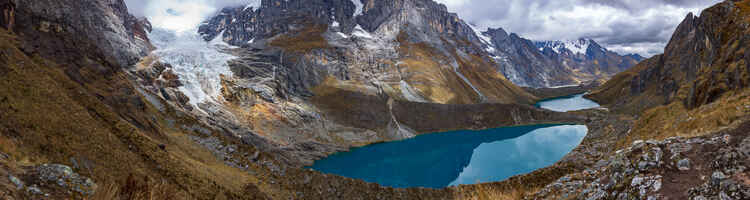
x,y
706,57
709,167
104,27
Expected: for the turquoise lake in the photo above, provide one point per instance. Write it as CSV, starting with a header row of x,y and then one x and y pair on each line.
x,y
457,157
463,157
569,103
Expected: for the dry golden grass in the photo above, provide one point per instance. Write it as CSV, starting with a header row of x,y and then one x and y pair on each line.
x,y
675,120
422,69
7,146
49,118
306,40
488,192
140,189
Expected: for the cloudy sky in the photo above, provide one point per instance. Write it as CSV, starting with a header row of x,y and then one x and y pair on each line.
x,y
625,26
179,15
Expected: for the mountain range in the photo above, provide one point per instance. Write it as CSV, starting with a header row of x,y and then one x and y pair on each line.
x,y
96,103
524,62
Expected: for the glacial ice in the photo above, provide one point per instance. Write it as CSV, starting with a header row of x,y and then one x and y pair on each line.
x,y
358,10
198,64
254,4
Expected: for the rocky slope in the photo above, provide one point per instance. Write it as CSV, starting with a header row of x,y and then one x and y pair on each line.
x,y
408,49
705,59
691,106
709,167
697,86
554,63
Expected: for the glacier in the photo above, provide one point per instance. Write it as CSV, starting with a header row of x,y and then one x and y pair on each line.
x,y
198,64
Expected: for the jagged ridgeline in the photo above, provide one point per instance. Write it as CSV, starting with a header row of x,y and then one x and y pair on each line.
x,y
698,85
411,50
412,45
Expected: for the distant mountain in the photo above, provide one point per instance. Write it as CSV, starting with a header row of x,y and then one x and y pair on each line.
x,y
553,63
572,47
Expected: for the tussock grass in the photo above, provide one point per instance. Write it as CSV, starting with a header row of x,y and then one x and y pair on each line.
x,y
674,119
307,39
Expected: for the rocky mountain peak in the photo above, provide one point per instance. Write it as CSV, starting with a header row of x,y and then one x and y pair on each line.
x,y
498,33
704,59
105,25
554,63
579,46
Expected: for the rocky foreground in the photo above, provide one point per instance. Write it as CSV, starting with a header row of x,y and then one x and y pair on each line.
x,y
709,167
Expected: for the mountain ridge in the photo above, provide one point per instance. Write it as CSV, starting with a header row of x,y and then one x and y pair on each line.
x,y
554,63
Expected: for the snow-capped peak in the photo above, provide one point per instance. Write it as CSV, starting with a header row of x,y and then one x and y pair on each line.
x,y
487,41
254,4
576,46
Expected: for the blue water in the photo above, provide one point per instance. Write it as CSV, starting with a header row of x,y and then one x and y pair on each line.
x,y
569,103
457,157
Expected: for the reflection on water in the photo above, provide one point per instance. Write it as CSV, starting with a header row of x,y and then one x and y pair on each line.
x,y
458,157
565,104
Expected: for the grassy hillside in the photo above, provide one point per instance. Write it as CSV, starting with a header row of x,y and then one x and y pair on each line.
x,y
99,124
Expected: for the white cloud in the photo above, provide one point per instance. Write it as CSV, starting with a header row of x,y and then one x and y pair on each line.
x,y
179,15
627,26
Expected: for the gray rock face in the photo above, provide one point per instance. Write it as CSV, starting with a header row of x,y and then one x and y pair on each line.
x,y
522,61
83,25
241,25
554,63
19,184
64,177
719,171
683,164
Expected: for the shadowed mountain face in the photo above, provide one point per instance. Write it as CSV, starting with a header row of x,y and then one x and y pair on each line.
x,y
554,63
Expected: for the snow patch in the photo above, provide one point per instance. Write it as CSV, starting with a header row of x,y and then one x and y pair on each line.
x,y
358,7
254,4
564,86
335,24
482,98
487,41
343,35
198,64
219,41
576,46
360,32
